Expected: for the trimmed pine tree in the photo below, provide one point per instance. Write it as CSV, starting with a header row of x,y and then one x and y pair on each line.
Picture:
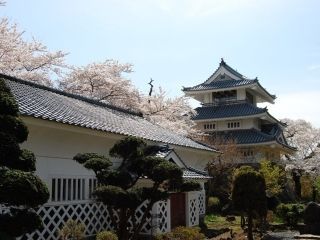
x,y
20,189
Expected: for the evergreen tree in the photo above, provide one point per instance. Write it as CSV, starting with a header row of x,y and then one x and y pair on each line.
x,y
119,190
249,194
20,189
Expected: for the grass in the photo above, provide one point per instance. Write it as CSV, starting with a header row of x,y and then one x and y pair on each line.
x,y
218,222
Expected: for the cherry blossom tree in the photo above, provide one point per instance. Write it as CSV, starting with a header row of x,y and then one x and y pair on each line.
x,y
306,138
171,113
29,60
104,82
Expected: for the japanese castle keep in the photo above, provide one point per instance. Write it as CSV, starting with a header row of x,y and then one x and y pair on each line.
x,y
229,110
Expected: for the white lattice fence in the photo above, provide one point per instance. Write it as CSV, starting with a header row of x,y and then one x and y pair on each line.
x,y
192,205
161,221
202,202
94,216
146,228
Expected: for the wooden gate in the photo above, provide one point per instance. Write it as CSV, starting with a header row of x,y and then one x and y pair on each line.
x,y
178,209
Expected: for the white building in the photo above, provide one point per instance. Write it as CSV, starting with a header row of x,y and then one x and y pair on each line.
x,y
62,125
230,110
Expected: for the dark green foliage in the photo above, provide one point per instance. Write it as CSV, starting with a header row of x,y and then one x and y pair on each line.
x,y
8,105
97,164
20,189
9,150
3,86
131,148
190,186
27,161
14,127
165,170
214,205
118,188
249,194
18,222
249,190
291,214
83,157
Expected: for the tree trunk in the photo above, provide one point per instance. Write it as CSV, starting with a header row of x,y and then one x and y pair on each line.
x,y
123,231
250,236
242,221
142,221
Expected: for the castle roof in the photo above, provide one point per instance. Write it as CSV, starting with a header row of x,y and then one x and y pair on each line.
x,y
253,136
227,78
227,111
233,110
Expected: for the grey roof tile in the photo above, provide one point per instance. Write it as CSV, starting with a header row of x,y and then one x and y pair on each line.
x,y
228,83
245,136
54,105
227,110
192,174
221,84
254,136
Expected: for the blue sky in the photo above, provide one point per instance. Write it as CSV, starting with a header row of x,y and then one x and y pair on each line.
x,y
180,42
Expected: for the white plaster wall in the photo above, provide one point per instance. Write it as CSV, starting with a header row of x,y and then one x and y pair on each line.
x,y
222,125
207,98
56,144
241,94
194,158
55,148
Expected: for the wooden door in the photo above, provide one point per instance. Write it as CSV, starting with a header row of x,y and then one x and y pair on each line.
x,y
178,209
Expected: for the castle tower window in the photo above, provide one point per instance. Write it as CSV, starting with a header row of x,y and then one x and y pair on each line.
x,y
233,124
209,126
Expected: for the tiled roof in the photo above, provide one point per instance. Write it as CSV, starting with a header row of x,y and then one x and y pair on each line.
x,y
213,84
188,172
226,111
54,105
254,136
245,136
194,174
221,84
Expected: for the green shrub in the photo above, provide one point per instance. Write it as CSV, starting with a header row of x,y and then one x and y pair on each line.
x,y
214,205
182,233
291,214
106,235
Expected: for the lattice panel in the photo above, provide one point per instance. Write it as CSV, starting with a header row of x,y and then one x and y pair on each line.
x,y
163,213
94,216
146,229
202,203
193,212
193,209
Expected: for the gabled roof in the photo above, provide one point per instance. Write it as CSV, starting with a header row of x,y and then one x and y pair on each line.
x,y
188,172
227,111
54,105
234,80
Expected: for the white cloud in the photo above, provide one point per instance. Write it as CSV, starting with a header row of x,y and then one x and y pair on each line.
x,y
298,105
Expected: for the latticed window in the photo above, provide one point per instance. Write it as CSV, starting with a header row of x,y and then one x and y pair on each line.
x,y
72,189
